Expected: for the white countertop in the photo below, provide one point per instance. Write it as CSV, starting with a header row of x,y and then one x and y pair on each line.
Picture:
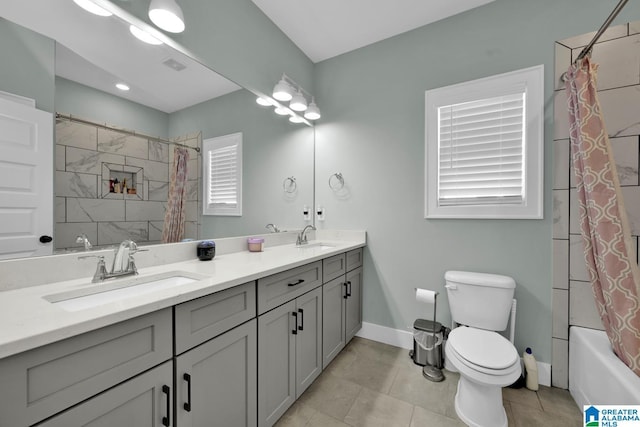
x,y
28,320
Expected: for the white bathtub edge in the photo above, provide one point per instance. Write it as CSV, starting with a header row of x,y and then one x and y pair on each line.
x,y
596,375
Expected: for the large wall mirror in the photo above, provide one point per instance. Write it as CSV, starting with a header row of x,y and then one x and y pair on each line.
x,y
60,59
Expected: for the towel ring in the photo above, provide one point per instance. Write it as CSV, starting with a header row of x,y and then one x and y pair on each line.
x,y
289,185
336,181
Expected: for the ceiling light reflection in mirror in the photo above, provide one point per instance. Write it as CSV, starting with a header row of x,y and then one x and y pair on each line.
x,y
145,68
287,90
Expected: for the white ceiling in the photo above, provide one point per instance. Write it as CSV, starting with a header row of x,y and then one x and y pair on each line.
x,y
323,29
99,52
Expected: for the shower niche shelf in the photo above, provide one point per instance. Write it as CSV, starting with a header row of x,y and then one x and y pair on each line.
x,y
122,182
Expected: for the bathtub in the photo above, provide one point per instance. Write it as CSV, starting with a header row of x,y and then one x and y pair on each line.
x,y
596,375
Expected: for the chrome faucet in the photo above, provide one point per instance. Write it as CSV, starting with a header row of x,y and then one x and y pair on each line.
x,y
123,262
272,228
302,237
85,241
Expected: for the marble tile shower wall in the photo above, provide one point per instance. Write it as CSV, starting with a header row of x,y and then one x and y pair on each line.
x,y
618,56
84,156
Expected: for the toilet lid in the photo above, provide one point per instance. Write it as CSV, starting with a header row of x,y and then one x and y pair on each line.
x,y
483,348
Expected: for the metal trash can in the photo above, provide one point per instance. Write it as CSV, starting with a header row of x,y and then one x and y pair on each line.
x,y
425,350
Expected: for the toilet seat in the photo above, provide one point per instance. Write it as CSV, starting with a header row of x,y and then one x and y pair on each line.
x,y
490,348
488,351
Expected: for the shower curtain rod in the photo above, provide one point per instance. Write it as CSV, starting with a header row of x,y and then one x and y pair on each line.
x,y
124,131
602,29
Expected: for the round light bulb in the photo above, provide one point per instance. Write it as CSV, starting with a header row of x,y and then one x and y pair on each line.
x,y
91,7
265,102
296,119
313,112
144,36
298,103
282,111
167,15
282,91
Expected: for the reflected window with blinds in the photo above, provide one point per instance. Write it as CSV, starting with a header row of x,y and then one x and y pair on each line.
x,y
484,147
222,172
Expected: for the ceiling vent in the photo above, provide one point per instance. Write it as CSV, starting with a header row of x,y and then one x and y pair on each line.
x,y
172,63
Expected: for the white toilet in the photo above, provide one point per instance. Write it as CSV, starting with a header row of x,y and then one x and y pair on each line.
x,y
481,303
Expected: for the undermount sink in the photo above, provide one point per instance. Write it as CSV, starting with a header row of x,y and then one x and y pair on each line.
x,y
107,292
316,245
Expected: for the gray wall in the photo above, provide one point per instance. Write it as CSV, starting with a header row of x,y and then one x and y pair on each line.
x,y
372,131
28,66
273,149
91,104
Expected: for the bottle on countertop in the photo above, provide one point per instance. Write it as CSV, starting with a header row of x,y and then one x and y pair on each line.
x,y
531,367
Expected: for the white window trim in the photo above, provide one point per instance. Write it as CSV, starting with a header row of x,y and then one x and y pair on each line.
x,y
532,81
209,145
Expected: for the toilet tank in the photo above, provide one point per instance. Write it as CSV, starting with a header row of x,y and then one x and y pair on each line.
x,y
480,300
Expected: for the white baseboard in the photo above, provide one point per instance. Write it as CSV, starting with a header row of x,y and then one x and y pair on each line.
x,y
544,373
404,339
383,334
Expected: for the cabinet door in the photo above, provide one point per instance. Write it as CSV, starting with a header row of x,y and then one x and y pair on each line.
x,y
353,310
216,382
308,339
277,330
44,381
141,401
333,319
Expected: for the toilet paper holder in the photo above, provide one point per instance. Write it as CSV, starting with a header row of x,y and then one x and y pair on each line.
x,y
431,373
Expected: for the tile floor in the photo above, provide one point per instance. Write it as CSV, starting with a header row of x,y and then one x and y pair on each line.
x,y
371,384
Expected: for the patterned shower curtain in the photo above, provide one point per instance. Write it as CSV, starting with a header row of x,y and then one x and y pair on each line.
x,y
173,228
608,247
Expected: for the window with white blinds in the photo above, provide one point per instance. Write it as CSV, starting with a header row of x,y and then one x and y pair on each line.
x,y
481,151
222,158
483,146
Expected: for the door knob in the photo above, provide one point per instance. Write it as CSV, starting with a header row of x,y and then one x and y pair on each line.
x,y
45,239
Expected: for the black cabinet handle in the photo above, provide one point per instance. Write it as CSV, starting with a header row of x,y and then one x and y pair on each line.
x,y
301,327
346,291
297,282
165,420
295,329
187,405
349,288
45,239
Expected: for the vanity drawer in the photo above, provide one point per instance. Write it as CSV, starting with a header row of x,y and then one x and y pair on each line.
x,y
204,318
333,267
42,382
354,259
282,287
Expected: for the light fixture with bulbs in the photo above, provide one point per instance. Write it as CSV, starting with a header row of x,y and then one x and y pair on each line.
x,y
287,90
167,15
123,86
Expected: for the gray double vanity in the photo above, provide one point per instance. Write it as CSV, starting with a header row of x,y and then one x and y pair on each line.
x,y
235,345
